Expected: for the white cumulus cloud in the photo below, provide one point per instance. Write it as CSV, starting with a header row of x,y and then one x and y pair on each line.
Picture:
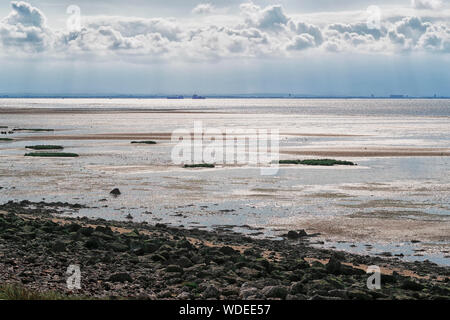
x,y
426,4
257,32
204,8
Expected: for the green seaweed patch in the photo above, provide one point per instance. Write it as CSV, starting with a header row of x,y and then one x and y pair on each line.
x,y
45,147
33,129
199,165
51,154
143,142
6,139
318,162
192,285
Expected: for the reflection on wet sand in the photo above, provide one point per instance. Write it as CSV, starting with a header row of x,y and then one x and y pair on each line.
x,y
399,191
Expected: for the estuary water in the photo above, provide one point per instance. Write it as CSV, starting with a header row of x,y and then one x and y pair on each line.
x,y
398,192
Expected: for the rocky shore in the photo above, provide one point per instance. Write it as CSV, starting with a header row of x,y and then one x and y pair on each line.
x,y
142,261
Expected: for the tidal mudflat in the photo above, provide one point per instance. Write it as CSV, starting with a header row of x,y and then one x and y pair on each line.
x,y
394,203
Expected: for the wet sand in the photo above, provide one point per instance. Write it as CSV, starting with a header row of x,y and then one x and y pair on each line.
x,y
151,135
371,152
373,228
126,259
31,111
107,159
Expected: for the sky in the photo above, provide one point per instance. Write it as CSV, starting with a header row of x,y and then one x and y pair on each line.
x,y
321,47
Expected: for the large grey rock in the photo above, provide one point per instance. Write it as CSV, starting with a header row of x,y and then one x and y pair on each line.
x,y
296,288
211,292
58,246
115,192
275,292
174,268
247,292
121,277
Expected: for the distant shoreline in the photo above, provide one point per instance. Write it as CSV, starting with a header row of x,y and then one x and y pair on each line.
x,y
293,97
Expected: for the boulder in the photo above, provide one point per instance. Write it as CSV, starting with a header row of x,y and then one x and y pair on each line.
x,y
184,262
58,246
211,292
226,250
115,192
120,277
296,234
275,292
411,285
296,288
334,265
174,268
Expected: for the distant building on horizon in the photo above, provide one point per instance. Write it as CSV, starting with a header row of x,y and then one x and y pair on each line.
x,y
175,97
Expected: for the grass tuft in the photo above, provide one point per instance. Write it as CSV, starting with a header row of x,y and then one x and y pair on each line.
x,y
51,154
45,147
199,165
33,129
318,162
144,142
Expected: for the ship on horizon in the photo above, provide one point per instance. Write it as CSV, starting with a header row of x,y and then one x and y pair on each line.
x,y
175,97
195,96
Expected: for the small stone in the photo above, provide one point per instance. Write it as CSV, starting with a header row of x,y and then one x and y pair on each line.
x,y
275,292
292,235
411,285
174,268
359,295
296,234
184,262
73,227
118,247
58,246
296,288
211,292
92,244
246,292
338,293
105,230
184,296
115,192
230,291
226,250
86,231
334,265
120,277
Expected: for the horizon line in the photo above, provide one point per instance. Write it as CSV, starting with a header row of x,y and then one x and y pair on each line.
x,y
215,96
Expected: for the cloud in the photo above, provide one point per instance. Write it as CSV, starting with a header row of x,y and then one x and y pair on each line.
x,y
203,8
257,32
301,42
436,38
269,18
25,28
306,28
130,27
360,28
406,33
26,15
426,4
